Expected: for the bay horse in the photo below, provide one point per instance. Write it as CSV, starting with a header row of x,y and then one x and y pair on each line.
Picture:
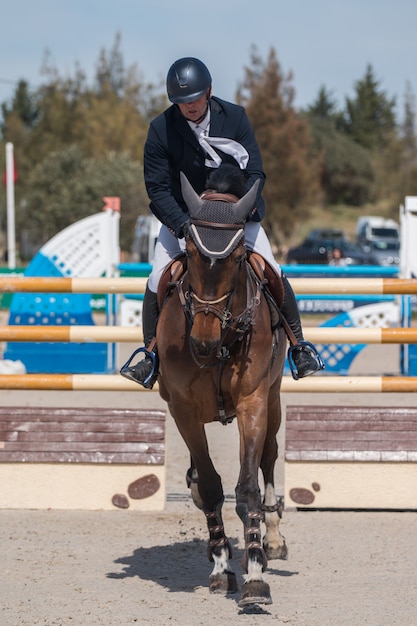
x,y
220,359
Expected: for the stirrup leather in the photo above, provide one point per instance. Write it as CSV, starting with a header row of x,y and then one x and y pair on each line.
x,y
149,353
308,347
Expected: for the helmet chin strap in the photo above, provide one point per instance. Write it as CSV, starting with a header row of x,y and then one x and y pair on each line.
x,y
200,119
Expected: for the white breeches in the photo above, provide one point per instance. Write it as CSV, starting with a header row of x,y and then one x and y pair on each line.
x,y
168,247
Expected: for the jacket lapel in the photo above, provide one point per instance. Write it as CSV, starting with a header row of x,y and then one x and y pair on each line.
x,y
184,129
216,119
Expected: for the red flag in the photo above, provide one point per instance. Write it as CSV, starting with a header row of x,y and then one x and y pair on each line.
x,y
15,175
112,203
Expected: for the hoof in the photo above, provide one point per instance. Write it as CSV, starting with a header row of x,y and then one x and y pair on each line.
x,y
255,592
223,583
276,553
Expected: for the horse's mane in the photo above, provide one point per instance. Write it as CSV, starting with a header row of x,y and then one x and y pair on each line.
x,y
228,179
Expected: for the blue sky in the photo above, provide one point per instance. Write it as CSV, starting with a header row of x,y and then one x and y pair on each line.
x,y
322,42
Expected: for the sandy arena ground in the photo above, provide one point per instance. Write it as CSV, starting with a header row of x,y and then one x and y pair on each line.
x,y
122,567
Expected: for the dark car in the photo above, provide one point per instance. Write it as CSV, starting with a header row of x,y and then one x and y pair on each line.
x,y
317,249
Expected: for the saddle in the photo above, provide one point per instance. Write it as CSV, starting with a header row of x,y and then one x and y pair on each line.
x,y
271,283
170,277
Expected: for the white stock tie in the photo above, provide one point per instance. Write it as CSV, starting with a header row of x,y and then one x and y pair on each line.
x,y
228,146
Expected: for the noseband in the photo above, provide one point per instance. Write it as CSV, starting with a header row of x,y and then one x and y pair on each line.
x,y
209,306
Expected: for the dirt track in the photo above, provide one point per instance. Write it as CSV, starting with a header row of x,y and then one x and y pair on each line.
x,y
123,567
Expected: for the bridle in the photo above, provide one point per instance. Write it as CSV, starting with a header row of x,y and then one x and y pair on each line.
x,y
233,327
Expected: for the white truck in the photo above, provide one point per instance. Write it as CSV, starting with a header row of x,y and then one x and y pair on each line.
x,y
379,236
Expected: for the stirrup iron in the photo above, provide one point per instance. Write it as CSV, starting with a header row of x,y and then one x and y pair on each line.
x,y
148,353
308,347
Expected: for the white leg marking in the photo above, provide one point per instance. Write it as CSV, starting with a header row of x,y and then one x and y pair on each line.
x,y
273,537
254,571
221,563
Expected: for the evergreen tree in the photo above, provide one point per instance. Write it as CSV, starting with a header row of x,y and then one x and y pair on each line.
x,y
369,117
347,175
324,107
409,125
23,108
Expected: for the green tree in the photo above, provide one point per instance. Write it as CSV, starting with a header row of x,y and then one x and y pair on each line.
x,y
284,141
110,115
409,125
347,173
67,127
23,108
324,107
369,117
67,186
397,163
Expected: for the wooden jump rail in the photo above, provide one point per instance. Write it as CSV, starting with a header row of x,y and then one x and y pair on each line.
x,y
35,284
320,384
82,458
351,457
115,382
376,286
105,334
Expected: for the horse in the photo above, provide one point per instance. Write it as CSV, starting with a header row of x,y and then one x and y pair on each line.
x,y
221,359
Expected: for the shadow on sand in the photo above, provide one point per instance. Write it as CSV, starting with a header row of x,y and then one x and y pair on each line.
x,y
183,567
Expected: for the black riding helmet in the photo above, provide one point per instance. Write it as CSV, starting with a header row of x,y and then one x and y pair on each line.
x,y
187,80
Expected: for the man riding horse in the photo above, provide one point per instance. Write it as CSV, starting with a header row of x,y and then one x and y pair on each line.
x,y
195,135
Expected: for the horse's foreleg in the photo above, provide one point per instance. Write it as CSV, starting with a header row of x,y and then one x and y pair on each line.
x,y
273,543
202,478
248,506
219,551
207,493
255,589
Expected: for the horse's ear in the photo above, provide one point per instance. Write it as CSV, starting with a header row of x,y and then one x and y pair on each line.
x,y
191,198
243,207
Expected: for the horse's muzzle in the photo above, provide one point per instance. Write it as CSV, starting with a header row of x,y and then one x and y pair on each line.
x,y
203,349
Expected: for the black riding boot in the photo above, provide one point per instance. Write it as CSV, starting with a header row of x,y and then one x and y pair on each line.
x,y
145,372
303,358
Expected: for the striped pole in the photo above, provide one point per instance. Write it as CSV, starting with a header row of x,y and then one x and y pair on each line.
x,y
77,334
379,286
133,334
324,334
35,284
115,382
369,286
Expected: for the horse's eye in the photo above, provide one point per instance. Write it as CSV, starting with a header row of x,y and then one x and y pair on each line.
x,y
187,253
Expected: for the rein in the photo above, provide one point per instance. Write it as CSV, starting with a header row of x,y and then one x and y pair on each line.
x,y
233,327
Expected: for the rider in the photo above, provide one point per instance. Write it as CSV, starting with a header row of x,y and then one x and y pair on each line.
x,y
195,134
